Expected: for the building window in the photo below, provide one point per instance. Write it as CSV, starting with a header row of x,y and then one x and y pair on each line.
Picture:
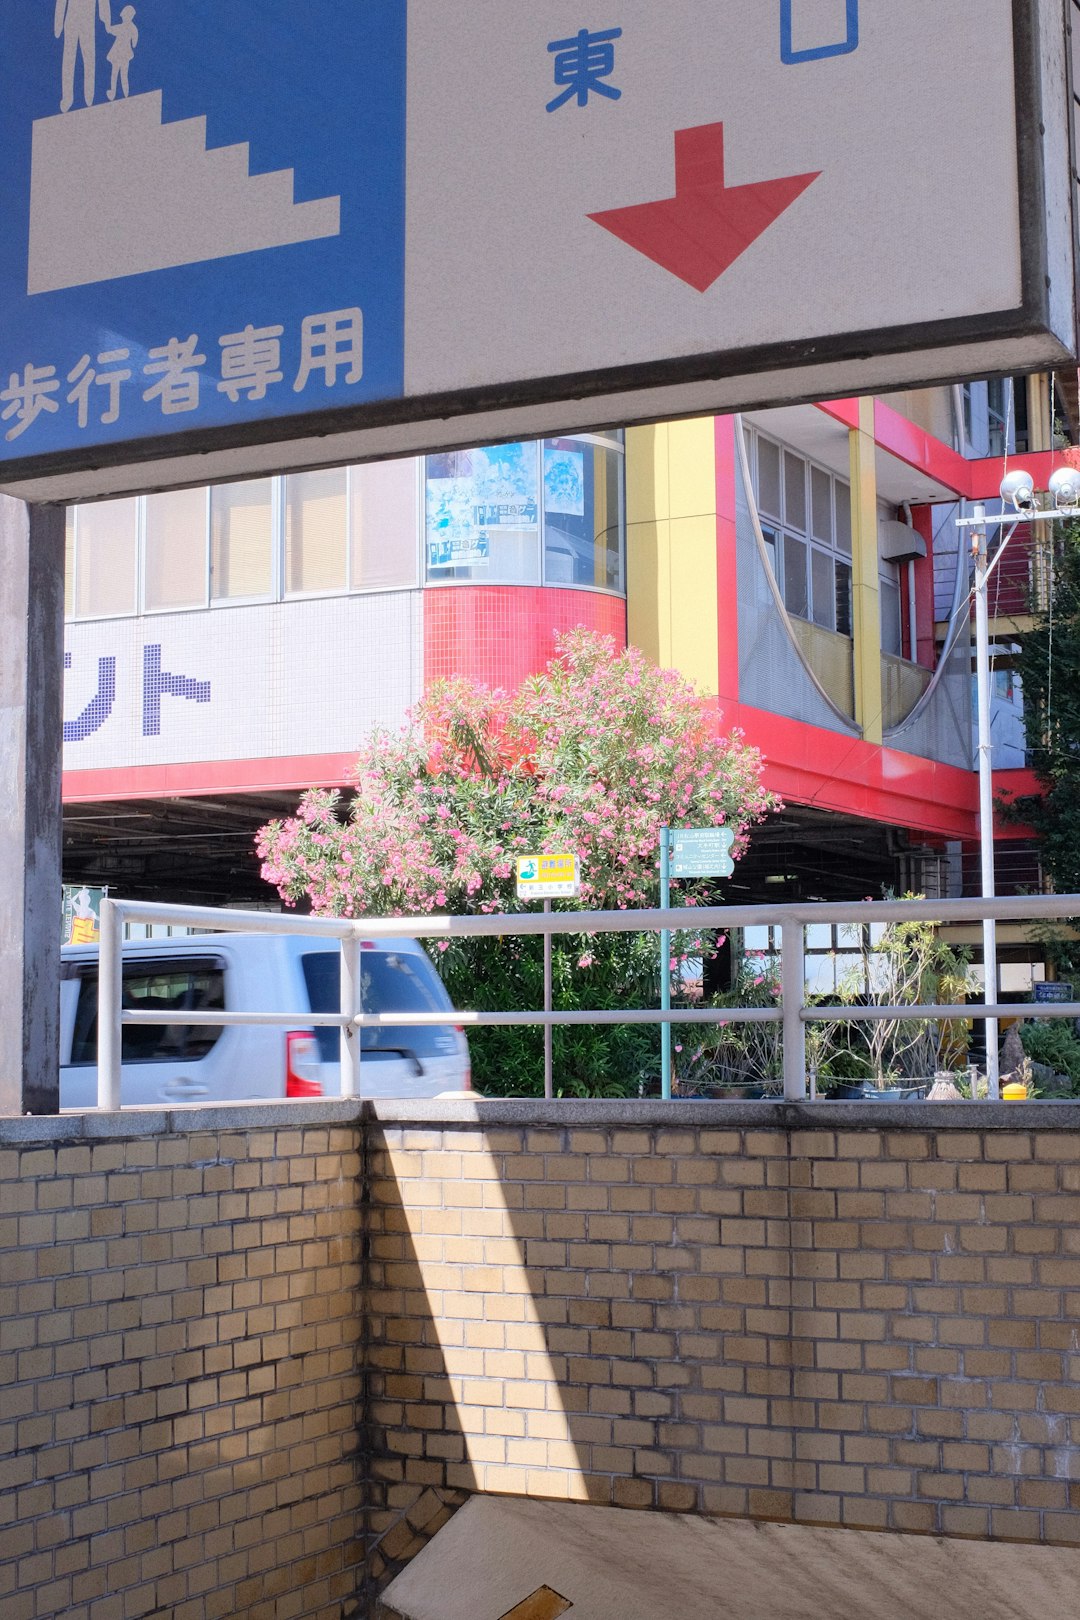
x,y
805,514
838,955
316,531
482,516
174,550
383,519
583,514
103,552
241,540
515,514
313,533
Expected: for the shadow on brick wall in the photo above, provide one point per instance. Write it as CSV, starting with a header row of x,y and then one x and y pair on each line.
x,y
857,1327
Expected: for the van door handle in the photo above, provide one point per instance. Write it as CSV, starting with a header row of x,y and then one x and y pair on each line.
x,y
185,1088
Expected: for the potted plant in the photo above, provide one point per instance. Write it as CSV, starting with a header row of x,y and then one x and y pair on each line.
x,y
908,963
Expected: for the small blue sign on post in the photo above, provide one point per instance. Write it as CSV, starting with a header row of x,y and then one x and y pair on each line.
x,y
701,852
1047,990
204,219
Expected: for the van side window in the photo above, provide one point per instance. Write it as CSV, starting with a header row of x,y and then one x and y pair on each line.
x,y
197,986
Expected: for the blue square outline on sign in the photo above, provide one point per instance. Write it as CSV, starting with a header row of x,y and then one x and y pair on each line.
x,y
816,53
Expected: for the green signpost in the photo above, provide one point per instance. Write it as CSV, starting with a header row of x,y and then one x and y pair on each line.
x,y
685,852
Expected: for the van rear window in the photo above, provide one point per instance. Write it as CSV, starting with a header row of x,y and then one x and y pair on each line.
x,y
391,981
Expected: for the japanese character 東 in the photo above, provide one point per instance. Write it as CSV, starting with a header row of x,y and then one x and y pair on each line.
x,y
582,63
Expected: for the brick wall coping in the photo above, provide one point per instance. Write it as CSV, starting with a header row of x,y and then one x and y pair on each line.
x,y
525,1111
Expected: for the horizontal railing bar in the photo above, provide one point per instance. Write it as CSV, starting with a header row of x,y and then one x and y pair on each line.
x,y
1010,908
236,922
391,1020
973,1009
725,1015
297,1020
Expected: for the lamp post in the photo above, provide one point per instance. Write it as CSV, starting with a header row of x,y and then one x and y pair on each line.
x,y
1017,491
986,790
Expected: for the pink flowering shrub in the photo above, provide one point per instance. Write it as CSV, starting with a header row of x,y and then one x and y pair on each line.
x,y
593,756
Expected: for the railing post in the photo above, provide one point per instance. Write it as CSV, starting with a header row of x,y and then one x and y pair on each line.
x,y
793,987
350,1003
549,1002
110,1001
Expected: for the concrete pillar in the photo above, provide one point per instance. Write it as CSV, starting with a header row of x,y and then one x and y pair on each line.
x,y
31,739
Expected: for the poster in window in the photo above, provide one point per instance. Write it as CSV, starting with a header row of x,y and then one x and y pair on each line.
x,y
564,481
454,538
480,491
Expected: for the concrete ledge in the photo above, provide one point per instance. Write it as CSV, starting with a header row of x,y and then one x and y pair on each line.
x,y
526,1111
132,1122
817,1116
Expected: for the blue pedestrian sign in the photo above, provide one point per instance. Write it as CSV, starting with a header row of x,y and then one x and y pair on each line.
x,y
203,217
701,852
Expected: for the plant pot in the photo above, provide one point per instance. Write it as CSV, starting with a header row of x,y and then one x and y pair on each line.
x,y
868,1091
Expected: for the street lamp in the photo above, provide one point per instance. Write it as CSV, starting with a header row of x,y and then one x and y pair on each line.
x,y
1017,492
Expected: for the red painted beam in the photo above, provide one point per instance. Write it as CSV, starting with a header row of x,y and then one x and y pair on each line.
x,y
209,776
826,770
909,443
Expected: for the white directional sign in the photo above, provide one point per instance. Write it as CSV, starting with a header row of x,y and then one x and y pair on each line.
x,y
261,235
701,852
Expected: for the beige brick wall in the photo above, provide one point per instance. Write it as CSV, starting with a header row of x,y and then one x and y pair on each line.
x,y
179,1378
866,1328
247,1370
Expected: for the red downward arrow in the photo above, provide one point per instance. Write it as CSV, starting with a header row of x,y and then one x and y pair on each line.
x,y
707,225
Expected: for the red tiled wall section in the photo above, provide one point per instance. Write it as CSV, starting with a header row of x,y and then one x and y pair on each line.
x,y
499,634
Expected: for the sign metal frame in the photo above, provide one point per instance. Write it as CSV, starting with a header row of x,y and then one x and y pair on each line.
x,y
1026,336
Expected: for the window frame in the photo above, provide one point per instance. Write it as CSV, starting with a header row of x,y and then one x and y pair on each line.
x,y
134,612
780,528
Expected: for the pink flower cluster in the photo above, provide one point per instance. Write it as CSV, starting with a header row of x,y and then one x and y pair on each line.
x,y
593,756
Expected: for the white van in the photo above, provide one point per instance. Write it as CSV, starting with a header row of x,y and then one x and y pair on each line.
x,y
169,1064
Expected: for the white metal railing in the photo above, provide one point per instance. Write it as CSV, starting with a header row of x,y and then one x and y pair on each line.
x,y
792,1013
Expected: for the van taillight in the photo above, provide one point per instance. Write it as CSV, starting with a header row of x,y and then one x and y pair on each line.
x,y
302,1066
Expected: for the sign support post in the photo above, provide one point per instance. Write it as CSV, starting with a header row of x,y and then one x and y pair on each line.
x,y
538,878
31,733
665,963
